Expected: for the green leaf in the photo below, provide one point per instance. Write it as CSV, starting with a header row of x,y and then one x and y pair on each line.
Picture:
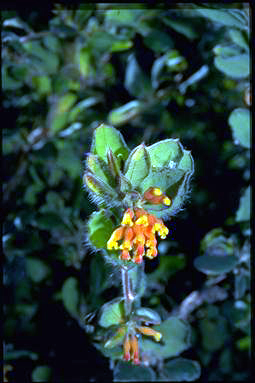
x,y
164,66
215,264
181,370
16,22
223,16
241,285
136,82
162,152
70,295
37,270
244,343
100,228
42,84
41,374
65,103
239,38
148,315
127,17
126,372
214,333
240,123
158,41
121,45
112,313
83,59
60,112
101,41
215,243
107,137
81,106
235,66
50,221
226,50
117,339
175,339
244,211
137,165
47,61
181,27
125,113
94,165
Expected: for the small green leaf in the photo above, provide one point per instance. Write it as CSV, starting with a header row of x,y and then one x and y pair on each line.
x,y
46,60
112,313
162,152
181,370
137,165
101,189
50,221
42,84
158,41
244,211
239,38
41,374
239,120
37,270
84,62
93,164
123,16
214,333
187,162
223,16
16,22
60,112
119,46
117,338
235,66
126,372
65,103
163,67
107,137
226,50
148,315
181,27
215,264
241,285
70,295
175,339
100,228
81,106
125,113
244,343
136,82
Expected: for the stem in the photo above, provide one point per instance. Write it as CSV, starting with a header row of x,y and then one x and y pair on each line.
x,y
133,286
127,290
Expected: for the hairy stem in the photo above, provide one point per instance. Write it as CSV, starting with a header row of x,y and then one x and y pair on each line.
x,y
127,290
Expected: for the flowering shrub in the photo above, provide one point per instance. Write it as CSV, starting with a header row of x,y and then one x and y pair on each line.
x,y
134,274
146,184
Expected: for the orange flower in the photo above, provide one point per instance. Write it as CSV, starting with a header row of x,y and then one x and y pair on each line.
x,y
156,197
131,349
131,346
137,235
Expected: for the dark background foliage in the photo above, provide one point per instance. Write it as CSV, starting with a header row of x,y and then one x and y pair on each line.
x,y
63,73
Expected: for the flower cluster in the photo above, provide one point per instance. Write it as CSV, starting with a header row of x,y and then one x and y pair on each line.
x,y
137,233
131,348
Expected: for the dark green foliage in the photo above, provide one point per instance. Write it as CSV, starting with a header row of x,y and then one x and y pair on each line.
x,y
154,77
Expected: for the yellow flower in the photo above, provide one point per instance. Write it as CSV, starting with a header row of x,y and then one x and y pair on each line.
x,y
136,236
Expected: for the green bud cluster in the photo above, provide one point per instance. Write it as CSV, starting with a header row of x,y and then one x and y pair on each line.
x,y
115,176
